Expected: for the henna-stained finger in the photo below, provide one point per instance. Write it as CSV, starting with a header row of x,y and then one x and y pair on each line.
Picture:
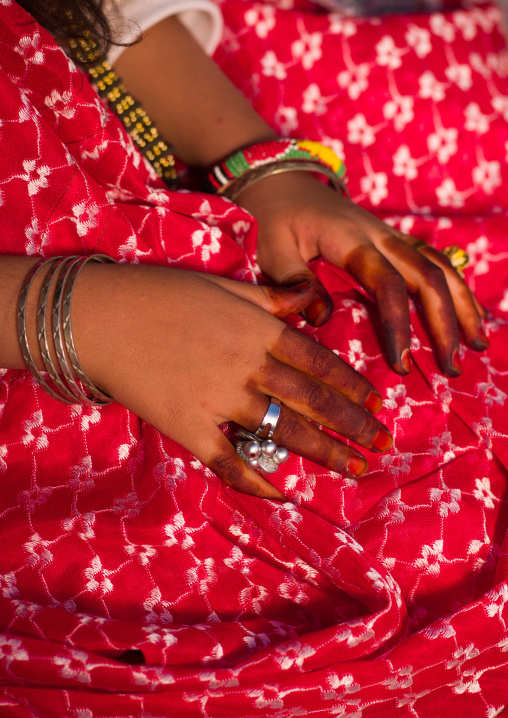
x,y
303,353
369,267
215,451
323,404
466,306
302,437
427,280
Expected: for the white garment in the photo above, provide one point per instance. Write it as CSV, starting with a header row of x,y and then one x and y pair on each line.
x,y
202,18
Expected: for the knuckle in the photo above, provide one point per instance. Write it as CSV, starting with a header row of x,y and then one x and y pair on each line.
x,y
228,467
358,424
317,398
434,276
321,361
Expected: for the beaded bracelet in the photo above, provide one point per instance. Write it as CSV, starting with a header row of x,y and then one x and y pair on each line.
x,y
227,177
68,371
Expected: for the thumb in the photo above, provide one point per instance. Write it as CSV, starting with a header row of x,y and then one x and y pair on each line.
x,y
279,301
280,258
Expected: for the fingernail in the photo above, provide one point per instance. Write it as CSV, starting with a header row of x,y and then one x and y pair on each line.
x,y
356,465
405,360
382,441
456,363
317,312
373,402
480,343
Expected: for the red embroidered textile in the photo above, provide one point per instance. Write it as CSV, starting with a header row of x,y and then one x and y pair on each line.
x,y
385,596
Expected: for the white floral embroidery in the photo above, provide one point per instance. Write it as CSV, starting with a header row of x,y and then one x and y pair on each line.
x,y
375,186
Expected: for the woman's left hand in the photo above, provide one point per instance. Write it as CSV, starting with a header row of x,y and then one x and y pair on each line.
x,y
300,218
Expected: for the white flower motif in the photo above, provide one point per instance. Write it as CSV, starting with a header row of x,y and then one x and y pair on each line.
x,y
403,164
157,611
85,216
293,653
245,530
313,102
496,597
262,19
477,252
152,677
98,577
170,470
460,75
400,110
300,488
397,463
82,475
484,494
208,238
448,500
468,682
359,131
178,533
202,575
356,355
500,104
35,175
8,585
464,21
144,555
441,27
267,697
253,598
487,176
308,49
443,143
293,590
38,551
271,67
476,121
35,432
355,80
375,186
74,667
286,119
31,49
387,54
403,678
34,497
286,518
419,39
431,88
59,103
11,650
448,195
432,557
490,393
442,446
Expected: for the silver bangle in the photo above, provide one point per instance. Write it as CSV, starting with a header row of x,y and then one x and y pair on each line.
x,y
237,185
97,395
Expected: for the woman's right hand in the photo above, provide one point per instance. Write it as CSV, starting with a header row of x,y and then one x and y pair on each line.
x,y
188,352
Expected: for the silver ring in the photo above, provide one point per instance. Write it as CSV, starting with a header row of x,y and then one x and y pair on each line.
x,y
270,419
261,452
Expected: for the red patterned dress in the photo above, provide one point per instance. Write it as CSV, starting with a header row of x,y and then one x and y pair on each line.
x,y
132,581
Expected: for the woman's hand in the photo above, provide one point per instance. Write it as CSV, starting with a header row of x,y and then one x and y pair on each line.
x,y
299,219
188,352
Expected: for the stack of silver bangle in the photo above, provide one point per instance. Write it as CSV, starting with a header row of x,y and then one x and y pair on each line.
x,y
70,382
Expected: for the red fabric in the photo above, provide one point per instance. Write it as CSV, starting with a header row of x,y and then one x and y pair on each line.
x,y
378,597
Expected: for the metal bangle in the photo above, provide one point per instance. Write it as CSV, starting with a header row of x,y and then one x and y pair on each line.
x,y
99,397
42,335
233,188
23,333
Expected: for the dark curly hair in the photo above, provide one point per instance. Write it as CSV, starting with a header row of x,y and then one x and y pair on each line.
x,y
80,26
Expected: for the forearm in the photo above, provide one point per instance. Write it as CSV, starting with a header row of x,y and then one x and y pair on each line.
x,y
194,105
13,270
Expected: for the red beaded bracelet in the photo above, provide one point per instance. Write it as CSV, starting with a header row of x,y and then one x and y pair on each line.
x,y
246,166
